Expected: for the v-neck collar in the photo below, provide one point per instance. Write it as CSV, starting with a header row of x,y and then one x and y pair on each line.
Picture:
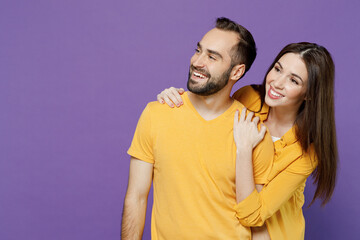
x,y
225,114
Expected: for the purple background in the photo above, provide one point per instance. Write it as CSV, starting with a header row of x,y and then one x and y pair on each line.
x,y
76,75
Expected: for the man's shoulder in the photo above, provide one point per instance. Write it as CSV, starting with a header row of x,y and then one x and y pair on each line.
x,y
154,106
238,104
165,108
159,110
247,92
249,97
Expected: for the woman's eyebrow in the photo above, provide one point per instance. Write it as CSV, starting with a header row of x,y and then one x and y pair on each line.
x,y
293,74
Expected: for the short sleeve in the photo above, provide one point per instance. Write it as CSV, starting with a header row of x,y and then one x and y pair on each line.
x,y
142,143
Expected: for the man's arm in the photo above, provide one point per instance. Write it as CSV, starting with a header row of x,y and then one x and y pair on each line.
x,y
133,220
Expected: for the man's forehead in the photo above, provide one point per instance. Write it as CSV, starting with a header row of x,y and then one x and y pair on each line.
x,y
219,40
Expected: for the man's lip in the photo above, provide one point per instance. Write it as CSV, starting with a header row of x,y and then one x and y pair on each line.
x,y
200,72
203,76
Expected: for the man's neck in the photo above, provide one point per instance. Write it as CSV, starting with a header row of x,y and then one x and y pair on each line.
x,y
212,106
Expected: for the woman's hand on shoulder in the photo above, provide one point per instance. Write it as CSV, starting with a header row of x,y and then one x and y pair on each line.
x,y
246,132
171,96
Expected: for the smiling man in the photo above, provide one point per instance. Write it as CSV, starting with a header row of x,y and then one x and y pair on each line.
x,y
189,152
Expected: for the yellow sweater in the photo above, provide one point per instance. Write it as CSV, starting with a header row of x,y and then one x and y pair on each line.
x,y
280,202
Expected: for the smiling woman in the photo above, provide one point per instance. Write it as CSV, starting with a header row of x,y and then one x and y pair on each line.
x,y
286,82
296,104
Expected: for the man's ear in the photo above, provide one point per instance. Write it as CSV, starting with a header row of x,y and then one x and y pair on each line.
x,y
237,72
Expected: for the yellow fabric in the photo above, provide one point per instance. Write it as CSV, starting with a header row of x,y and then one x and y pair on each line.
x,y
281,200
194,171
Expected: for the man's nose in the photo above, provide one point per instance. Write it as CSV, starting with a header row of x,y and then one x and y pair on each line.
x,y
199,60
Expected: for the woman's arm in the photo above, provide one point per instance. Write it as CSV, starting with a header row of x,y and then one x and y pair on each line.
x,y
171,96
258,207
247,137
259,233
254,208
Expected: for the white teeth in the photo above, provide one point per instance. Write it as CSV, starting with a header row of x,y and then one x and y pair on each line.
x,y
198,75
274,93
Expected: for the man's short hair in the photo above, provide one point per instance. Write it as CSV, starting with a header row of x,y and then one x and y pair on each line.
x,y
245,51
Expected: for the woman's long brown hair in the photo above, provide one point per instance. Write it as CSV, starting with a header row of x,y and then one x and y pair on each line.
x,y
315,122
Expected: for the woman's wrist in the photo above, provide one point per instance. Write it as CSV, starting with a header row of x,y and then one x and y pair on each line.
x,y
243,149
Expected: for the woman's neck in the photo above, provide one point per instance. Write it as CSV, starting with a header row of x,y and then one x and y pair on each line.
x,y
280,121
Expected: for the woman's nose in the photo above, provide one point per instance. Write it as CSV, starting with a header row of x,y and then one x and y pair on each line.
x,y
279,82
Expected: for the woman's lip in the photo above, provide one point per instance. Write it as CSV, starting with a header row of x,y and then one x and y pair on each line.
x,y
274,94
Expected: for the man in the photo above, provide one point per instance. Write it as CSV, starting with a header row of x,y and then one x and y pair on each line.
x,y
189,152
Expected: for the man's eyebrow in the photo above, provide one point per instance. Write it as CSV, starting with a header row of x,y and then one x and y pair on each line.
x,y
215,53
295,75
210,51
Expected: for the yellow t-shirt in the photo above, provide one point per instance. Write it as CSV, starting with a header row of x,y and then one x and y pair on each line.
x,y
194,171
281,200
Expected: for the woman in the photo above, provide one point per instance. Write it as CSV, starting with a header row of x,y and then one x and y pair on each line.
x,y
296,104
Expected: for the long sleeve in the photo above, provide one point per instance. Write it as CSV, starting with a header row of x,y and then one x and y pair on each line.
x,y
258,207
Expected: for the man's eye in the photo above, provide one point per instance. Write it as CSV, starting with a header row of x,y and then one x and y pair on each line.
x,y
212,57
197,50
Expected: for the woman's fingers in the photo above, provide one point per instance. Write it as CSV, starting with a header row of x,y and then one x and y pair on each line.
x,y
246,132
236,117
180,90
256,120
243,115
160,99
262,131
237,126
171,96
249,116
168,101
174,95
161,96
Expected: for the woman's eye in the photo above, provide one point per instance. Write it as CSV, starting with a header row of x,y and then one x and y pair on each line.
x,y
197,50
277,69
294,81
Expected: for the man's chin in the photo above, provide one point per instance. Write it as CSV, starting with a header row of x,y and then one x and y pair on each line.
x,y
199,91
194,87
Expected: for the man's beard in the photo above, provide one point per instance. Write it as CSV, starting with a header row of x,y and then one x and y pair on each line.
x,y
213,84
